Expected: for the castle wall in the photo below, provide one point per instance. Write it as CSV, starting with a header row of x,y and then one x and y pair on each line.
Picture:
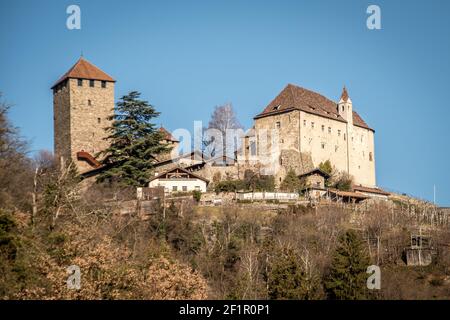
x,y
305,140
326,140
88,122
78,124
61,122
362,156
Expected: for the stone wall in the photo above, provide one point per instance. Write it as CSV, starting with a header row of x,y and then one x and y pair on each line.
x,y
80,117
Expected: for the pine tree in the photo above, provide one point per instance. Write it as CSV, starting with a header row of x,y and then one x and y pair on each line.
x,y
291,182
288,279
134,142
347,277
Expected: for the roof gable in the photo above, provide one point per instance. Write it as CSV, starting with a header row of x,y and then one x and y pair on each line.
x,y
178,173
83,69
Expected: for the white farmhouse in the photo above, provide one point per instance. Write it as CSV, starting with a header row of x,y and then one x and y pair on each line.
x,y
179,180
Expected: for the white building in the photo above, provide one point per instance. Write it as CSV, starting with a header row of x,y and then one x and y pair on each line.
x,y
179,180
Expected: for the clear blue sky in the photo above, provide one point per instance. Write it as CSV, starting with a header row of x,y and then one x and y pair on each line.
x,y
188,56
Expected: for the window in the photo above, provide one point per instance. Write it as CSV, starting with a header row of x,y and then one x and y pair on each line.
x,y
89,103
184,188
312,125
345,138
253,148
343,108
103,84
278,124
370,156
282,141
323,145
329,129
323,128
80,82
339,133
197,188
99,120
174,188
91,83
304,123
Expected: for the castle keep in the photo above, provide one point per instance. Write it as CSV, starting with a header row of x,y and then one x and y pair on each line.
x,y
304,129
83,99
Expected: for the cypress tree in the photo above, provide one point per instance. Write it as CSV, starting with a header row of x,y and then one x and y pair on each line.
x,y
134,142
347,277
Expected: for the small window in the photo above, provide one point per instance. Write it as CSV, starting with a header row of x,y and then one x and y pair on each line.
x,y
80,82
278,124
329,129
345,138
99,120
323,128
277,107
91,83
343,108
304,123
103,84
312,125
174,188
370,156
197,188
323,145
282,141
89,103
184,188
339,133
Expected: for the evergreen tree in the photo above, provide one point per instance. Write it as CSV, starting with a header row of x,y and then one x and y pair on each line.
x,y
134,142
291,182
326,167
347,278
287,278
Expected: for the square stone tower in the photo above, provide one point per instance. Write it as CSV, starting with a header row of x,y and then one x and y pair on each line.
x,y
83,99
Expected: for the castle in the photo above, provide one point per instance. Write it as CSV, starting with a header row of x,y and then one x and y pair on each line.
x,y
299,129
304,128
83,99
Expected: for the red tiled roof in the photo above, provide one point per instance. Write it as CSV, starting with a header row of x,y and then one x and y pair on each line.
x,y
370,190
83,69
167,135
344,95
293,97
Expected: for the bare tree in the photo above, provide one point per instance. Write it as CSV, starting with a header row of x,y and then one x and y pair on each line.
x,y
222,137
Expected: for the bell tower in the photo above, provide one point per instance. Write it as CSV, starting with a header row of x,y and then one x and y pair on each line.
x,y
83,99
345,107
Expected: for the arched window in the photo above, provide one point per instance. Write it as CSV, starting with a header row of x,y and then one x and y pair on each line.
x,y
370,156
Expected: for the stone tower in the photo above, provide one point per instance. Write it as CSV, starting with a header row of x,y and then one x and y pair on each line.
x,y
83,99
